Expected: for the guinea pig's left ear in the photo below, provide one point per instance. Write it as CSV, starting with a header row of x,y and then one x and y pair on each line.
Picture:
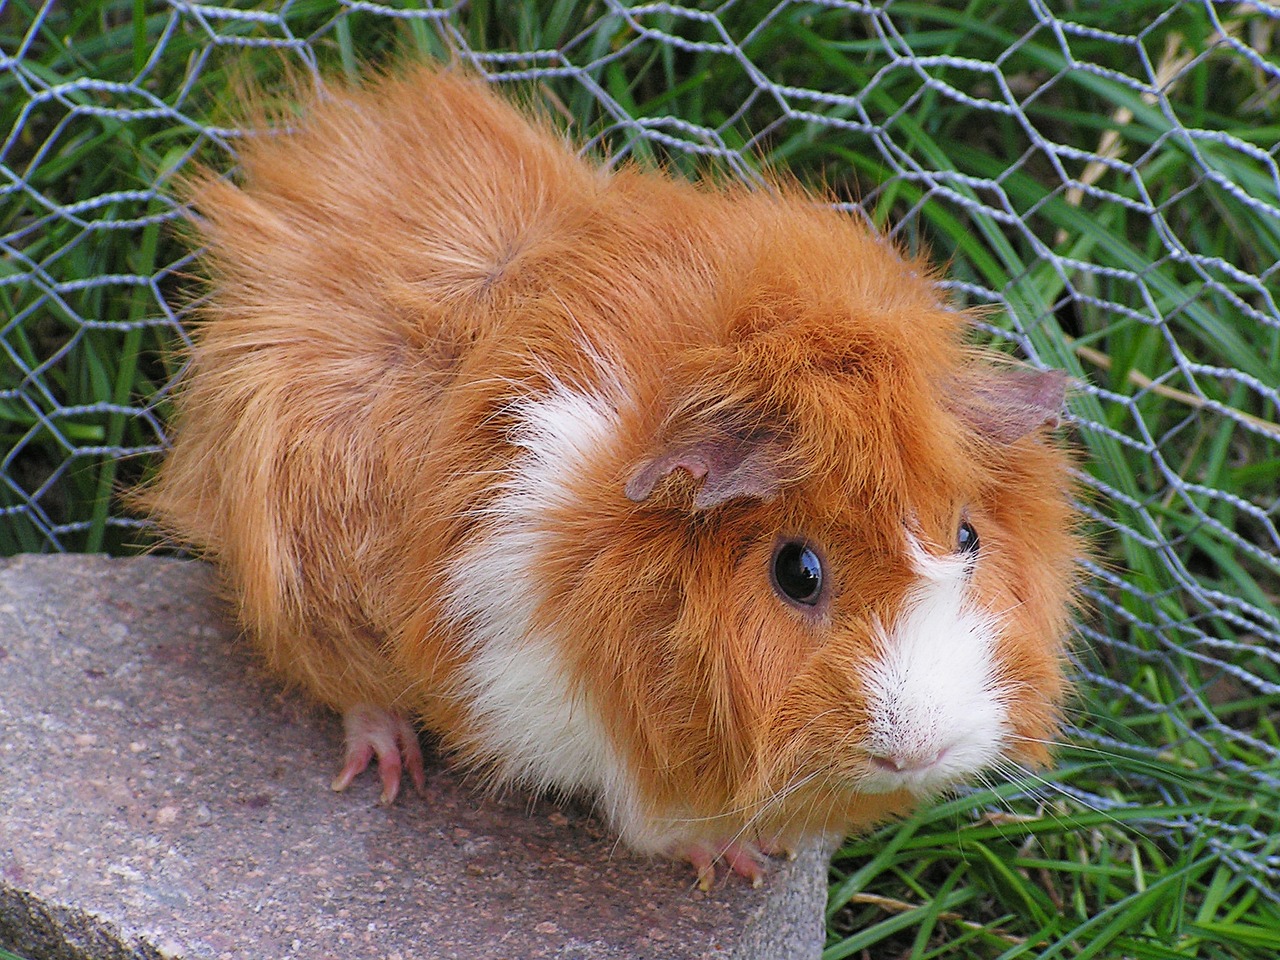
x,y
729,463
1006,403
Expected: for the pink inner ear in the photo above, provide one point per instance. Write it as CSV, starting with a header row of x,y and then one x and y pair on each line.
x,y
1010,403
729,467
642,482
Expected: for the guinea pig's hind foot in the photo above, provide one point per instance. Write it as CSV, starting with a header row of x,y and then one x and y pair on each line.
x,y
376,731
744,859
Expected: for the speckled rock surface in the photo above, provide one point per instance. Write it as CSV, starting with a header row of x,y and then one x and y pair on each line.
x,y
160,798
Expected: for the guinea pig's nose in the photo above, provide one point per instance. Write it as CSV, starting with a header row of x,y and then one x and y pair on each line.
x,y
908,761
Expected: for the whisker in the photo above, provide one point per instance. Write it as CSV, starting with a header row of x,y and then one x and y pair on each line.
x,y
1028,775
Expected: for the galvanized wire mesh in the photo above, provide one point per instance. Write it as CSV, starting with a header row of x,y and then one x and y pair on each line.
x,y
1093,201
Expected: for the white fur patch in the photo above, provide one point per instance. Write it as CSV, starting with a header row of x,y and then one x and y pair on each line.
x,y
529,719
937,711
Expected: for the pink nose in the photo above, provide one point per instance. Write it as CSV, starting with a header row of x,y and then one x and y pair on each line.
x,y
907,761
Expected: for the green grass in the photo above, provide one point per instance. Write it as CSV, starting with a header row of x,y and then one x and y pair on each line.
x,y
1009,872
978,877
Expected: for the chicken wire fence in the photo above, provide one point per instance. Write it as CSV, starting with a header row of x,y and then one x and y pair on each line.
x,y
1104,177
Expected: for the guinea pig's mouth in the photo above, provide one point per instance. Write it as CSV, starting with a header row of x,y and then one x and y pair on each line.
x,y
923,771
908,764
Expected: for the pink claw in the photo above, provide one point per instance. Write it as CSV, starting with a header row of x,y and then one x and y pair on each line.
x,y
374,731
700,855
744,859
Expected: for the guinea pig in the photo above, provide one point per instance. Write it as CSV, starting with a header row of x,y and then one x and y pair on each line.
x,y
690,498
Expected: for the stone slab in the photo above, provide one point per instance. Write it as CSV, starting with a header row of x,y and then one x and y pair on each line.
x,y
160,798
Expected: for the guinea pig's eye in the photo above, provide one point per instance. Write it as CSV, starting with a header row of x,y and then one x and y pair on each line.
x,y
967,539
797,572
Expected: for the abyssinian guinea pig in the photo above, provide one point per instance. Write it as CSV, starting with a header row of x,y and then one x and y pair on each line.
x,y
689,498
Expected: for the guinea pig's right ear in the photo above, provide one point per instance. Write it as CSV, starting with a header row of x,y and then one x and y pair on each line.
x,y
730,463
1007,403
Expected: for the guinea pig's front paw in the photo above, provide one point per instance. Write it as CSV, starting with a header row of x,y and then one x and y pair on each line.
x,y
378,731
743,858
